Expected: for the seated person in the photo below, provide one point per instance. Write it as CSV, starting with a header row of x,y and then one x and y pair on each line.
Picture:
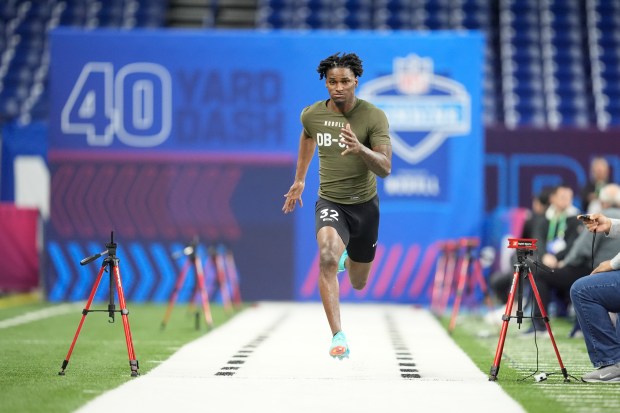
x,y
582,256
594,297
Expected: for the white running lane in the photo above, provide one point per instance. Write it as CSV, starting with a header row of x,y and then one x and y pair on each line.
x,y
274,358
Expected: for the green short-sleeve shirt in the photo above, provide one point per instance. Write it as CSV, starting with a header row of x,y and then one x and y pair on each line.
x,y
345,179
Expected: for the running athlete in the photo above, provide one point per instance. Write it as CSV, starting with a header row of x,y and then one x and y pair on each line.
x,y
354,147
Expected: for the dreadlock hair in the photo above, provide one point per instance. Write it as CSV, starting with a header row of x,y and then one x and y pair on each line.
x,y
350,60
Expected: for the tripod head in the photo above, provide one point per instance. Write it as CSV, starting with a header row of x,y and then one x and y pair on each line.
x,y
111,261
189,250
110,250
471,242
525,249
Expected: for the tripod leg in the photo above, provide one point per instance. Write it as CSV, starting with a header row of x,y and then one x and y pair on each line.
x,y
463,273
197,312
175,294
479,277
221,277
504,330
440,272
200,283
448,281
233,276
192,308
84,314
543,312
133,362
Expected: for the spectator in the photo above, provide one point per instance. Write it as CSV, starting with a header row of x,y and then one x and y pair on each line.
x,y
556,234
599,177
582,257
560,227
594,297
540,204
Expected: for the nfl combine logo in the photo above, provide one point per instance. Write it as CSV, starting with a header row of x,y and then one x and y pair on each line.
x,y
424,109
413,74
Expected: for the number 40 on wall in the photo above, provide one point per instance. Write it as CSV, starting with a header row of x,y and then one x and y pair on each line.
x,y
133,105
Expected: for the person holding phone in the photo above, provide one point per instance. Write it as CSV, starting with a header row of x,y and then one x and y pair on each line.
x,y
596,296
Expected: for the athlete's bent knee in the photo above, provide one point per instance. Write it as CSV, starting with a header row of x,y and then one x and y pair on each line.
x,y
358,284
328,260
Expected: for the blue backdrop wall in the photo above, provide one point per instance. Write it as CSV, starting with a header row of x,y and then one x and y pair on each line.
x,y
163,136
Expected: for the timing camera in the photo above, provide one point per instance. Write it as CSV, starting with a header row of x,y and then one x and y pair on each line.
x,y
522,243
524,247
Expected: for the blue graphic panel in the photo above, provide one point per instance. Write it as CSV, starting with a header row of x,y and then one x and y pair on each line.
x,y
129,108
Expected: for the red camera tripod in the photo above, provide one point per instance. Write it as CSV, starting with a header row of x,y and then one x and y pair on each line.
x,y
525,248
111,262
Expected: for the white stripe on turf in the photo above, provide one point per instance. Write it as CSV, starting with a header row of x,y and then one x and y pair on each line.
x,y
39,315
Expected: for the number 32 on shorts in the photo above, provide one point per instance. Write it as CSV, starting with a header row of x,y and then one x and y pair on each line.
x,y
328,215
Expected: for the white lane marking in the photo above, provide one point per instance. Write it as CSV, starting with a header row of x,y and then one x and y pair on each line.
x,y
39,315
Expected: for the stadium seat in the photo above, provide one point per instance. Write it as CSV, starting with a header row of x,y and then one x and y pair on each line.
x,y
525,52
360,20
23,35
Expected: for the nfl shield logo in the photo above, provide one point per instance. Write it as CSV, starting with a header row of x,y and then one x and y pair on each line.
x,y
413,74
424,109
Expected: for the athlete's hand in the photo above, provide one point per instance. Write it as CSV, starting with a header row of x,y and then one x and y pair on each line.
x,y
348,138
293,196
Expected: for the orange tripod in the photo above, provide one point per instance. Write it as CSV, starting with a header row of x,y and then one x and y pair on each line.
x,y
193,260
221,277
469,270
444,275
111,263
233,277
225,277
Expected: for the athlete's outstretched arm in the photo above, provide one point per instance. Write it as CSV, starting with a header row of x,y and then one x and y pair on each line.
x,y
307,146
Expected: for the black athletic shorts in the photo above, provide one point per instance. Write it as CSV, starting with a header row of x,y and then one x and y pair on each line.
x,y
357,225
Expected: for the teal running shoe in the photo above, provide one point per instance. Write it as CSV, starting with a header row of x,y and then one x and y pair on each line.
x,y
343,258
339,348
